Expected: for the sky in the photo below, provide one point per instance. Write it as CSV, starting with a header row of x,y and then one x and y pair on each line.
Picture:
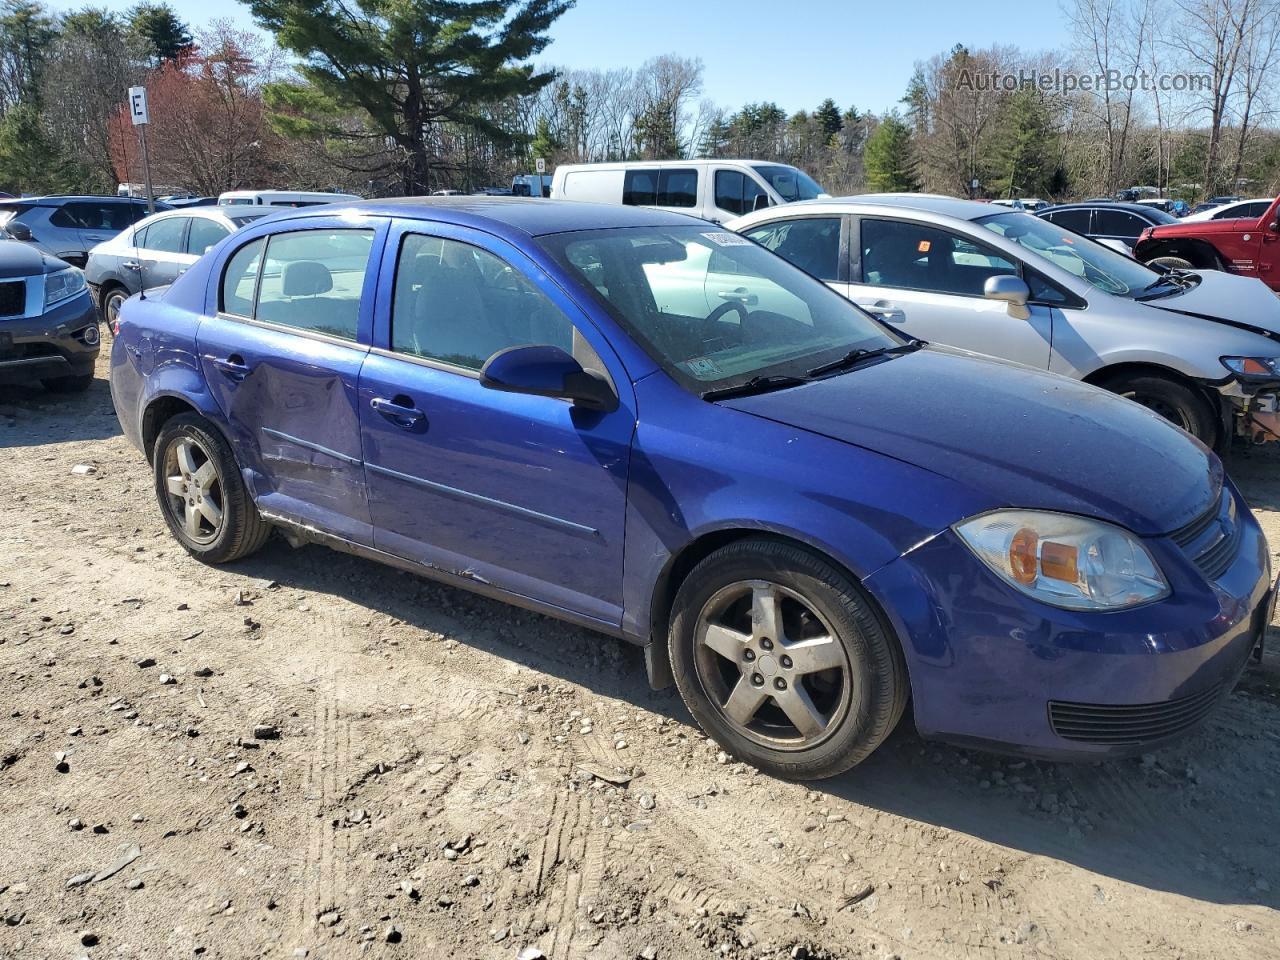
x,y
794,53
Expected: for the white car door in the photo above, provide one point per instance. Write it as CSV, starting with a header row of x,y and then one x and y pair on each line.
x,y
927,282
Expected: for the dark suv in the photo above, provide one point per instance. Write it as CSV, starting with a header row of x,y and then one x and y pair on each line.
x,y
69,227
48,325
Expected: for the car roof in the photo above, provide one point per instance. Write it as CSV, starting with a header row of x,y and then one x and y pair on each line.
x,y
534,216
645,164
70,198
935,203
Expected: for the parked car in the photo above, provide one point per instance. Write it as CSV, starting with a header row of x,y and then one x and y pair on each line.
x,y
282,198
1249,247
1198,348
48,329
1175,208
177,202
1236,210
531,185
1117,225
66,227
715,190
157,250
822,518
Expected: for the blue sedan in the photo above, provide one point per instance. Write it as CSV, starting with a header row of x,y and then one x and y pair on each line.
x,y
642,424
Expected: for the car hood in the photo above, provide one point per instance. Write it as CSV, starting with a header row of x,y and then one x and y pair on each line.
x,y
1223,297
19,259
1021,437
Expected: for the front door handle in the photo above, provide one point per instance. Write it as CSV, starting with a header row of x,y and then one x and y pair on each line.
x,y
400,411
739,295
233,367
885,311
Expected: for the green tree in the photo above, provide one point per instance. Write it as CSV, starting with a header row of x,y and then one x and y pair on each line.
x,y
158,25
413,65
1023,147
889,158
26,32
828,117
544,143
31,159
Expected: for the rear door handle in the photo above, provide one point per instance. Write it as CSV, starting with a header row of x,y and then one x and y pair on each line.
x,y
400,411
886,312
739,295
233,366
131,265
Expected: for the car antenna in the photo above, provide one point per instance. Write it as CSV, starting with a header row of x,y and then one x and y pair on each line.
x,y
137,258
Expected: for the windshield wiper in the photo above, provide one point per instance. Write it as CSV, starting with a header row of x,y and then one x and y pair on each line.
x,y
861,353
753,386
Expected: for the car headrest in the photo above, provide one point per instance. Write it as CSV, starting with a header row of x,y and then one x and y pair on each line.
x,y
305,278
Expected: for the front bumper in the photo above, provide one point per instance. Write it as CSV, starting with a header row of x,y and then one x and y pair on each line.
x,y
992,668
54,344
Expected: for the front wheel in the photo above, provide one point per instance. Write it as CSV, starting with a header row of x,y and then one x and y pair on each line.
x,y
202,495
1178,404
783,661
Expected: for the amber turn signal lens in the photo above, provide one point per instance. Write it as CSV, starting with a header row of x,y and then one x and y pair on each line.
x,y
1250,365
1022,555
1059,561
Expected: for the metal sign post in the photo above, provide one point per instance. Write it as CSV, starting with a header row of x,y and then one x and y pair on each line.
x,y
138,113
540,164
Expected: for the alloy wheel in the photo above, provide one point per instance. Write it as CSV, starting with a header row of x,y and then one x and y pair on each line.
x,y
194,489
772,665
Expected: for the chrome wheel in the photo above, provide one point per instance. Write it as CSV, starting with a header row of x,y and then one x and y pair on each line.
x,y
771,665
194,489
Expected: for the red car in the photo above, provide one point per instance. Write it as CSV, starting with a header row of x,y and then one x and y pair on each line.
x,y
1248,247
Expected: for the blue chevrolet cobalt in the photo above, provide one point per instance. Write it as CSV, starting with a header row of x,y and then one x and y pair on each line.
x,y
659,430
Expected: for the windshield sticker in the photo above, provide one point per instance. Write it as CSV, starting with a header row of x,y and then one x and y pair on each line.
x,y
727,239
704,368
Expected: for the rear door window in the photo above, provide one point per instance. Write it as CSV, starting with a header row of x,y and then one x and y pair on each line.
x,y
204,234
640,188
168,235
1077,220
313,280
1118,223
811,243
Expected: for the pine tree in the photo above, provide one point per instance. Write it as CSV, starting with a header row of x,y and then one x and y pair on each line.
x,y
414,65
158,25
1023,147
889,158
828,117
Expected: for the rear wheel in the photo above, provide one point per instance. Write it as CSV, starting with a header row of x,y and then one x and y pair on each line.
x,y
202,495
783,661
1177,403
78,384
112,300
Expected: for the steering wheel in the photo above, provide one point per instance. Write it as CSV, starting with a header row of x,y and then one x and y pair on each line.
x,y
725,307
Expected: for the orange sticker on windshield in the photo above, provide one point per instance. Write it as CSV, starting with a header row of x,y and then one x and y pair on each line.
x,y
923,246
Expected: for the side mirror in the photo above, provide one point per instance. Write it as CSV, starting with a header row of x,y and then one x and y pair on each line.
x,y
546,371
1012,291
18,230
1274,226
760,203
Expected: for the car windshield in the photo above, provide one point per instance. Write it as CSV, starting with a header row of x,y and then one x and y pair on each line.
x,y
1101,266
715,309
791,184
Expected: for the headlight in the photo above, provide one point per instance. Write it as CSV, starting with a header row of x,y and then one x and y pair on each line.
x,y
1266,367
1065,561
62,285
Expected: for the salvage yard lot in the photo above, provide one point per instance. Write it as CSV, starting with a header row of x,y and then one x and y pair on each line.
x,y
311,752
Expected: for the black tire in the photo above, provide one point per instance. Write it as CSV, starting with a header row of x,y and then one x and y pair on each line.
x,y
241,530
1176,402
77,384
1173,263
826,599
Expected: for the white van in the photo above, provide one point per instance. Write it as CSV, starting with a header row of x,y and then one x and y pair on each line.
x,y
282,198
715,190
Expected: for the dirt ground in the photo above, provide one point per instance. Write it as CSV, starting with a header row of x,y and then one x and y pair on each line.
x,y
308,754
